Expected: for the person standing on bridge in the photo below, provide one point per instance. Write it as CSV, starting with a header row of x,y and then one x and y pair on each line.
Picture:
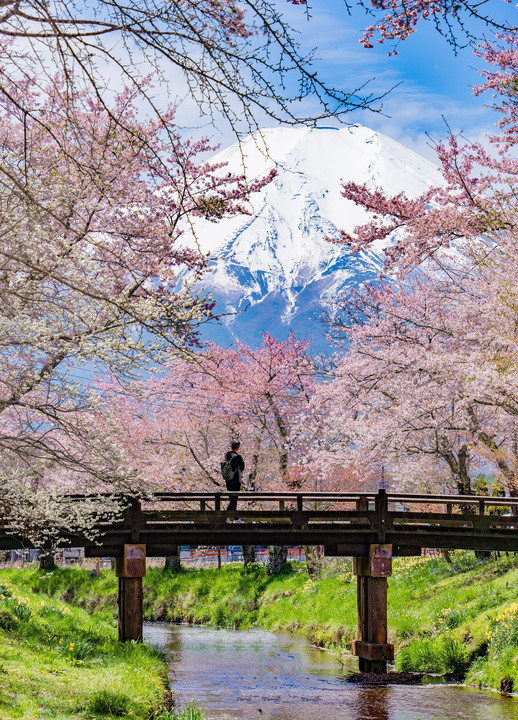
x,y
237,465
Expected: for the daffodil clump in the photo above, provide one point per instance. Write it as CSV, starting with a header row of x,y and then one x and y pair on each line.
x,y
503,632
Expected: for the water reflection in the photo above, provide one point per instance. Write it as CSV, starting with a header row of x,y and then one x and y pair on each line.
x,y
372,703
257,675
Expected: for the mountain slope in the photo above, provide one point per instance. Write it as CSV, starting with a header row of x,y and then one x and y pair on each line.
x,y
276,263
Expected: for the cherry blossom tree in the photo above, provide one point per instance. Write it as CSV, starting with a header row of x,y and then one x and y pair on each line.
x,y
176,428
462,236
90,251
180,424
390,400
428,369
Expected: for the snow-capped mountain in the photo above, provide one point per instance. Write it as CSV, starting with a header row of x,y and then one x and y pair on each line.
x,y
276,265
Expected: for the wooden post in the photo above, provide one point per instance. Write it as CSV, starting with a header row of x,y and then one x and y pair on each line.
x,y
371,647
130,569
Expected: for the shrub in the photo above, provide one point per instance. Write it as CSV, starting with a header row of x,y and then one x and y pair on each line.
x,y
421,656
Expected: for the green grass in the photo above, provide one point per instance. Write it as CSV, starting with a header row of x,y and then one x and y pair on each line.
x,y
56,661
459,619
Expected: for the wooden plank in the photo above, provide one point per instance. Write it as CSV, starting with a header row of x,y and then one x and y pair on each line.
x,y
455,499
324,515
342,528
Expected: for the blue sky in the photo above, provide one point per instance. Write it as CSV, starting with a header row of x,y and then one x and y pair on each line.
x,y
432,82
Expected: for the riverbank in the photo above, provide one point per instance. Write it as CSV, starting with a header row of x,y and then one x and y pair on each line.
x,y
460,619
59,662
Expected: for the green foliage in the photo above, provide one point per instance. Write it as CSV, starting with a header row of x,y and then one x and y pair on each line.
x,y
449,618
106,702
454,656
444,654
190,712
499,672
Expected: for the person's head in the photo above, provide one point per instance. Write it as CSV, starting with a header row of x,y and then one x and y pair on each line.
x,y
235,444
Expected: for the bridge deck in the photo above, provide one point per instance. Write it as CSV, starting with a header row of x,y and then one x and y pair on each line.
x,y
345,523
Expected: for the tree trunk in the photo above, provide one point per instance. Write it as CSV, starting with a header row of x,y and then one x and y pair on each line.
x,y
277,557
172,562
314,560
507,471
47,559
248,555
254,464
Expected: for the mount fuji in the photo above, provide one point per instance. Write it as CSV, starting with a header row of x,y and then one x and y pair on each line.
x,y
274,271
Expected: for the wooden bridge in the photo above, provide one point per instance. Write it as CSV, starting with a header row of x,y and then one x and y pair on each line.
x,y
370,527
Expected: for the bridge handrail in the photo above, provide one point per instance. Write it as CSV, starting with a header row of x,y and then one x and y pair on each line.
x,y
288,496
453,499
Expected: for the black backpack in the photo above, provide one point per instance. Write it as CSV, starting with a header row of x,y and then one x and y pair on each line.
x,y
226,469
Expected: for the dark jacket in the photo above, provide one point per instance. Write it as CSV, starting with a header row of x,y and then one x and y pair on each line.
x,y
238,465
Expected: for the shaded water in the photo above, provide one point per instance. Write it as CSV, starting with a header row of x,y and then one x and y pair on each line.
x,y
257,675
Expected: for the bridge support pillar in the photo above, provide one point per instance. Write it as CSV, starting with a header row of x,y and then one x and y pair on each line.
x,y
130,569
371,647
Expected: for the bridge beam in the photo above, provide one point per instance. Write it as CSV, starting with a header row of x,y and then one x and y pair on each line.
x,y
130,569
371,647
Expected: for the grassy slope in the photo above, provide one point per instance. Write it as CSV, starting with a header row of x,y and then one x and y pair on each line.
x,y
58,662
460,618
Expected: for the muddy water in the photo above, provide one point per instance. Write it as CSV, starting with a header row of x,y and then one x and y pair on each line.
x,y
256,675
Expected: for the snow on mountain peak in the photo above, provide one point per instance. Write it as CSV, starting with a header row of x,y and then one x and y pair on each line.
x,y
277,262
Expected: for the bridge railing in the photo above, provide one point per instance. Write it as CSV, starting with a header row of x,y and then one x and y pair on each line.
x,y
303,501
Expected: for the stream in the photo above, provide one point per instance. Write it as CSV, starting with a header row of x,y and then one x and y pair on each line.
x,y
258,675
